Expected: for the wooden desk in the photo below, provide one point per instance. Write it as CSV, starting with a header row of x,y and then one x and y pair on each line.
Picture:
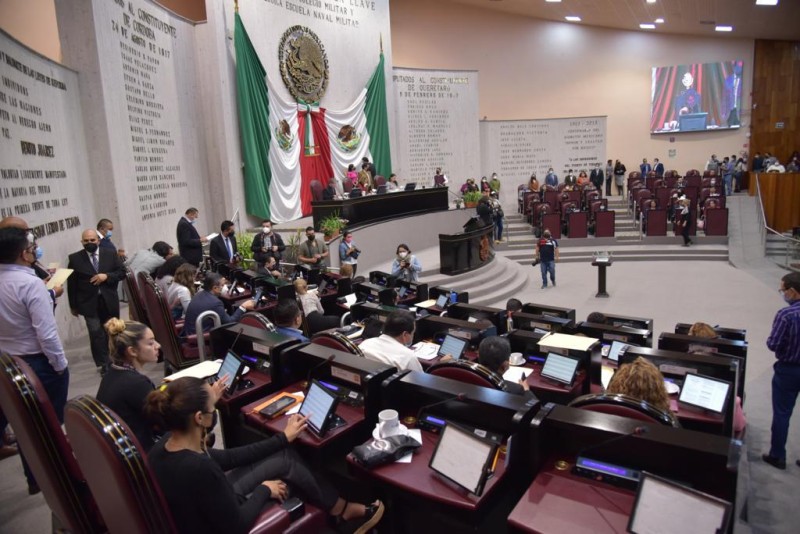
x,y
354,417
551,391
229,406
370,208
558,502
417,478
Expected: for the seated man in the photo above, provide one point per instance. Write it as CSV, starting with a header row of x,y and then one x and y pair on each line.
x,y
288,320
391,347
494,353
208,300
512,306
596,317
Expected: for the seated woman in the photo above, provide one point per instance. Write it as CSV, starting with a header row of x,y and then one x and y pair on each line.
x,y
405,265
124,388
703,330
181,290
583,178
643,381
166,272
203,497
312,308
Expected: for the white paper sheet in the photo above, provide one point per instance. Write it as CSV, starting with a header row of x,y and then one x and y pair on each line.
x,y
515,373
201,370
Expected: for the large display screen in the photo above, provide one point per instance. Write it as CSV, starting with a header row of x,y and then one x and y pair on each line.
x,y
697,97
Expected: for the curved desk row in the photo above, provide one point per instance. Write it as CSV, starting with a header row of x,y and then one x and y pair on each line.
x,y
371,208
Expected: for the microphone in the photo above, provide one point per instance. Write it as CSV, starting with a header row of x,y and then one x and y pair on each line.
x,y
311,371
459,397
638,431
241,329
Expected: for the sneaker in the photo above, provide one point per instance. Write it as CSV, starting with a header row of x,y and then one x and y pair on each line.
x,y
780,463
797,462
544,286
554,283
373,515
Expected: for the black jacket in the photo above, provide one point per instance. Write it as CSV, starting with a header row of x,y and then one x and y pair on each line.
x,y
189,245
265,241
219,252
83,296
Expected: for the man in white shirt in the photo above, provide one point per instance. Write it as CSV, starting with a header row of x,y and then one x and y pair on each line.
x,y
391,347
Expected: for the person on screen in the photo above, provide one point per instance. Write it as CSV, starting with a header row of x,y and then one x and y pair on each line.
x,y
494,353
225,490
732,96
793,166
689,99
641,380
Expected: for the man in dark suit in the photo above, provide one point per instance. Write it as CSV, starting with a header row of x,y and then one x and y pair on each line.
x,y
223,247
644,168
596,177
92,289
267,244
658,168
494,353
208,300
190,243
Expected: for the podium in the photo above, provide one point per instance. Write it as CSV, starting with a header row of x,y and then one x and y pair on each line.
x,y
602,263
468,250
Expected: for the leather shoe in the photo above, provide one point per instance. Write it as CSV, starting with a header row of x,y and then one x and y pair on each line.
x,y
797,462
33,488
8,451
9,438
780,463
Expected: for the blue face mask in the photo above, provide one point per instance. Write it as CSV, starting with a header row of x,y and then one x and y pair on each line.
x,y
108,234
39,252
787,299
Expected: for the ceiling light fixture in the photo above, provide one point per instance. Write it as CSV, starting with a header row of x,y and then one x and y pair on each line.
x,y
553,1
724,28
647,26
573,19
766,2
659,21
651,1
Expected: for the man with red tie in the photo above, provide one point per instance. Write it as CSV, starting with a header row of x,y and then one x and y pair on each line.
x,y
92,290
223,247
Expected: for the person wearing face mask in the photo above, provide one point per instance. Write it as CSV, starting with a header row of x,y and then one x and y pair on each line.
x,y
267,244
105,228
392,346
551,178
289,319
124,387
223,246
28,327
38,268
92,291
313,253
225,490
190,242
349,252
406,266
784,341
208,300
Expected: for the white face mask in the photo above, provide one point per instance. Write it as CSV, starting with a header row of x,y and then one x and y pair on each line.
x,y
403,254
266,229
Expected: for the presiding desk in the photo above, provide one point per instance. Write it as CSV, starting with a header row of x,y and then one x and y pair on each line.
x,y
371,208
466,251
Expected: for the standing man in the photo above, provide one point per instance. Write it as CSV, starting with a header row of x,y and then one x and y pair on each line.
x,y
27,324
784,341
596,177
223,247
494,183
727,175
547,253
92,289
267,244
645,168
609,176
190,243
619,176
550,178
313,253
658,168
104,229
370,167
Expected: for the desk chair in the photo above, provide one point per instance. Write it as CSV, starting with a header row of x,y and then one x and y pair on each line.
x,y
119,473
337,341
257,320
316,190
136,308
47,451
624,406
469,373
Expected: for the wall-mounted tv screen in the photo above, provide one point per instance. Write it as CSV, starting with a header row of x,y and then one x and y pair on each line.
x,y
697,97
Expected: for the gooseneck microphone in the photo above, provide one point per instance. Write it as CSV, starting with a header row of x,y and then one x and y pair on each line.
x,y
638,431
314,369
459,397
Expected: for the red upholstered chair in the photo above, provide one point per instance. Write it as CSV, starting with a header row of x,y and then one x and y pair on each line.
x,y
671,174
136,306
469,373
128,494
659,183
316,190
651,174
257,320
336,341
347,185
624,406
380,180
49,455
560,187
178,354
692,172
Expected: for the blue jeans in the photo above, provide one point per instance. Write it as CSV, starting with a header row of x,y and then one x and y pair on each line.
x,y
548,267
498,229
728,181
785,387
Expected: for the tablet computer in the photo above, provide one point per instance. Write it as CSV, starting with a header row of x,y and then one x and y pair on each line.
x,y
560,368
320,405
402,291
464,458
617,348
441,302
232,366
705,392
667,507
452,345
323,284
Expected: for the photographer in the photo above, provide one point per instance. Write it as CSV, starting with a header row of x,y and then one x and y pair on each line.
x,y
313,253
497,216
349,252
406,266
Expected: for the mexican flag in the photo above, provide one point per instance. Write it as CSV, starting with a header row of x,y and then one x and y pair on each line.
x,y
287,144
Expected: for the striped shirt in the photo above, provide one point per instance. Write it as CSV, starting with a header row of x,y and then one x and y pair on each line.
x,y
784,340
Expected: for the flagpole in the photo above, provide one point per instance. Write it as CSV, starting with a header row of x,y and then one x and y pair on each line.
x,y
235,6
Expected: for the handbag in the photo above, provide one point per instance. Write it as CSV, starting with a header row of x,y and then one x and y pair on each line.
x,y
384,451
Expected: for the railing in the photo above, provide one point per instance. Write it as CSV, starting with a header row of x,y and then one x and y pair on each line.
x,y
791,256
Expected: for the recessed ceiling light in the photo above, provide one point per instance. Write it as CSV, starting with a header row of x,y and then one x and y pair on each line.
x,y
659,21
553,1
647,26
651,1
573,19
724,28
766,2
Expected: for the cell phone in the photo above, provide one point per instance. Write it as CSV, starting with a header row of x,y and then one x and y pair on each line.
x,y
257,296
276,408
